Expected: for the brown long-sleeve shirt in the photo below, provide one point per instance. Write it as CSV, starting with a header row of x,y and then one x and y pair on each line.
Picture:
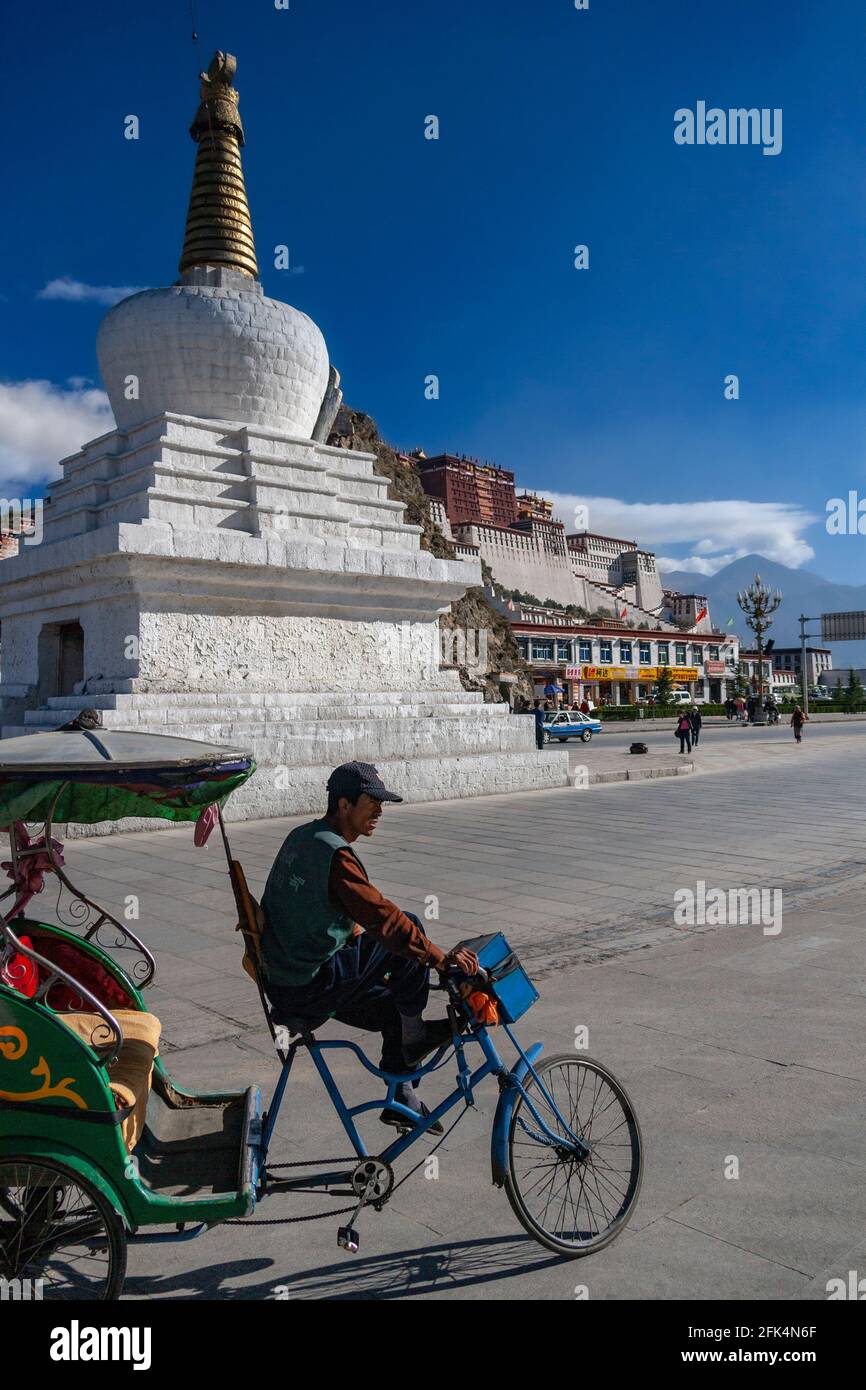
x,y
350,889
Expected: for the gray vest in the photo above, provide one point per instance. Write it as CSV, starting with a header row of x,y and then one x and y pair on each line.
x,y
304,928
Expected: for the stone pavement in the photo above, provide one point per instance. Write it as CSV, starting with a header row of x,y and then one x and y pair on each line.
x,y
733,1044
607,759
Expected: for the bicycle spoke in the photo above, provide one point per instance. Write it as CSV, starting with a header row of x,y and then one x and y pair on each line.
x,y
58,1232
576,1202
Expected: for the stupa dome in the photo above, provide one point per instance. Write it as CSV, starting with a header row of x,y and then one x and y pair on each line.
x,y
213,345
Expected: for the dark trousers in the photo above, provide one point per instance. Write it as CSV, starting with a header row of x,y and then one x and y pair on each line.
x,y
352,987
696,734
685,742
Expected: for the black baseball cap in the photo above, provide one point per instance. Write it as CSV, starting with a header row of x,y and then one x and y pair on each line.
x,y
354,779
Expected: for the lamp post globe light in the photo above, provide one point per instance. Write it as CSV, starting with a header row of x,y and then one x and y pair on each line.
x,y
759,603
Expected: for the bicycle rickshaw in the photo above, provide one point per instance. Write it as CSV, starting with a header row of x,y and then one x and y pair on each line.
x,y
100,1147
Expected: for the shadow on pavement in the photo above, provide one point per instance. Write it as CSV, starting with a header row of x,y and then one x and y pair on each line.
x,y
400,1274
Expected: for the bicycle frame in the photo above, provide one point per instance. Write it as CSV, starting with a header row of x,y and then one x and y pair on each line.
x,y
467,1080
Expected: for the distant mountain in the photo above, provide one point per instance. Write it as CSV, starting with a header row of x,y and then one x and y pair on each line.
x,y
802,592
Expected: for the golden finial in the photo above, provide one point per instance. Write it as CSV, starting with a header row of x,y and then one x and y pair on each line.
x,y
218,227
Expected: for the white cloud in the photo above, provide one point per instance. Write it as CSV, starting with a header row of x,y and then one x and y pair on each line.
x,y
693,564
711,534
76,292
41,423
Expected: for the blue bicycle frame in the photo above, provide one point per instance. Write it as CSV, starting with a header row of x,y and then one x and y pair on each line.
x,y
511,1084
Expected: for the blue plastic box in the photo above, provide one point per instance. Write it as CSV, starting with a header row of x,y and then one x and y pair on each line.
x,y
509,982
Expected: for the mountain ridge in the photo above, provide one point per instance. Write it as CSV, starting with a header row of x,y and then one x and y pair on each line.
x,y
802,591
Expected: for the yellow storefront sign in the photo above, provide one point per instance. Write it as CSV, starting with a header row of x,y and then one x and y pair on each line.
x,y
676,673
642,673
609,673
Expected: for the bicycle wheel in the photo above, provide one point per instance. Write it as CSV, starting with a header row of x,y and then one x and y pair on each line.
x,y
570,1206
56,1227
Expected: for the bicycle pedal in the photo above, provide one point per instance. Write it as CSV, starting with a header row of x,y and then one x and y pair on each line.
x,y
348,1239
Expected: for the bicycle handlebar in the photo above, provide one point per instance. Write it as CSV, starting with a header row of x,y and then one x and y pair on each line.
x,y
454,976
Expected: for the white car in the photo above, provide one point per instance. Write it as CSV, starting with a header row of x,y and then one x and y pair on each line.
x,y
570,723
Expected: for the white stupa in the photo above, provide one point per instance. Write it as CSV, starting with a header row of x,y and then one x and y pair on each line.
x,y
213,569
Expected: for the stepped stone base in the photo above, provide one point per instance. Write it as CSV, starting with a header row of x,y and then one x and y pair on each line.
x,y
429,746
237,584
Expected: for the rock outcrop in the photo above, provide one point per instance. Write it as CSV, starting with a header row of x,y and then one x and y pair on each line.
x,y
355,430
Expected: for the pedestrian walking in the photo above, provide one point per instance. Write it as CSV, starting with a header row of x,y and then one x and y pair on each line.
x,y
584,706
740,707
539,724
696,720
683,732
798,719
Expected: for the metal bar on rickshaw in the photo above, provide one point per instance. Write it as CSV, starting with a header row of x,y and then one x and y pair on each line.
x,y
130,941
106,1055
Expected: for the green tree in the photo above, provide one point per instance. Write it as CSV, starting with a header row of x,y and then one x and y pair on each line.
x,y
741,682
854,694
664,686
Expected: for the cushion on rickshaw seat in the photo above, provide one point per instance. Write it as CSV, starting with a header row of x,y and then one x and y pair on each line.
x,y
130,1075
85,969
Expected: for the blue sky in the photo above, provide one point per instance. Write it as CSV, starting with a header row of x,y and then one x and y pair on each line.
x,y
455,256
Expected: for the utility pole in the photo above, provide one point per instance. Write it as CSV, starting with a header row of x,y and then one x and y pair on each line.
x,y
804,674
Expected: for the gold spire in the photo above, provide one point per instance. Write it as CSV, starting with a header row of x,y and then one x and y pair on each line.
x,y
218,227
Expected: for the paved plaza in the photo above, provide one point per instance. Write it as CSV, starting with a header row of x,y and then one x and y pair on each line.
x,y
733,1044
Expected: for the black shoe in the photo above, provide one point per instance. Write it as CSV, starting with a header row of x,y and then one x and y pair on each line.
x,y
400,1121
437,1032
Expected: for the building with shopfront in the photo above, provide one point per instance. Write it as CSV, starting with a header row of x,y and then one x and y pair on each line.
x,y
610,663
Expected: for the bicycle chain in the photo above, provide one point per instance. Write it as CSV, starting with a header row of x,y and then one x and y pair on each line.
x,y
340,1211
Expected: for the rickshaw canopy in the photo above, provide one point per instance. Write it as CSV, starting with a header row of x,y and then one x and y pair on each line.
x,y
106,775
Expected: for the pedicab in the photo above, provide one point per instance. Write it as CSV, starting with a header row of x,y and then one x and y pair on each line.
x,y
100,1147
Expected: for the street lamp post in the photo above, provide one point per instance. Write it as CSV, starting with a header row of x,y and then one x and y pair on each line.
x,y
759,604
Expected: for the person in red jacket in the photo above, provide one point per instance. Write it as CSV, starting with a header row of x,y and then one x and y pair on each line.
x,y
684,733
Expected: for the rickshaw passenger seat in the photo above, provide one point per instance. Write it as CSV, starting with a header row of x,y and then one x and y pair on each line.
x,y
130,1075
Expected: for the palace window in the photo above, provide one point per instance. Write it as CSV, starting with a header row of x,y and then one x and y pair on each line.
x,y
605,652
664,654
713,653
563,651
625,652
585,651
644,655
681,653
542,651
